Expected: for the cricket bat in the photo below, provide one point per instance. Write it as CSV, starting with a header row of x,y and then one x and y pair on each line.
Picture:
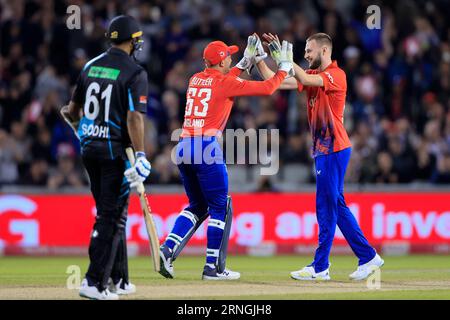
x,y
147,212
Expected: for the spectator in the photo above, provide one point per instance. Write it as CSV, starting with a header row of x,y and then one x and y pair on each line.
x,y
398,80
403,159
163,168
9,172
239,20
41,147
385,172
37,174
296,150
442,173
436,143
66,173
22,144
176,43
206,28
426,164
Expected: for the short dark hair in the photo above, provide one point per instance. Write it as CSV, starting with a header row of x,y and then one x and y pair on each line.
x,y
322,39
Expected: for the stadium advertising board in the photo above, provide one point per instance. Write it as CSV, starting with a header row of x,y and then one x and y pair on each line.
x,y
277,220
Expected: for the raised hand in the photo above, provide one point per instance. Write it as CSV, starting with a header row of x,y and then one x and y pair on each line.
x,y
260,53
281,53
290,56
249,54
274,45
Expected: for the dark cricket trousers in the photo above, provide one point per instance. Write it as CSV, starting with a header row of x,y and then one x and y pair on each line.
x,y
107,248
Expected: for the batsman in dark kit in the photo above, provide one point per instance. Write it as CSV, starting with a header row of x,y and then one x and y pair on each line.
x,y
106,112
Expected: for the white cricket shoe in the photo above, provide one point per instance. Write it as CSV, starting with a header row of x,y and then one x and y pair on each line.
x,y
212,274
309,274
367,269
91,292
121,288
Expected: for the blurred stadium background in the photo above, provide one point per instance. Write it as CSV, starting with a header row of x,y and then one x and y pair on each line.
x,y
397,114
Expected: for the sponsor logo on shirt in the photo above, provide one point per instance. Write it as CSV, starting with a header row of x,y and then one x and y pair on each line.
x,y
329,77
143,99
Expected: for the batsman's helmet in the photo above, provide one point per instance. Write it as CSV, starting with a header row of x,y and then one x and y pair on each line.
x,y
123,28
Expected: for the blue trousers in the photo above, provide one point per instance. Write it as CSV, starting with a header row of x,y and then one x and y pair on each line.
x,y
332,210
205,179
204,175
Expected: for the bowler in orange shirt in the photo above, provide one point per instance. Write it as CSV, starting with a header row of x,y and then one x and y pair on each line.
x,y
326,88
209,100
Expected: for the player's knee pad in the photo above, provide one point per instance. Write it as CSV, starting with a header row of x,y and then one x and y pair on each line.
x,y
180,243
225,225
192,218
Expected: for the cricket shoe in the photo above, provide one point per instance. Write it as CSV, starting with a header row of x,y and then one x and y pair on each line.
x,y
165,258
121,287
210,273
365,270
309,274
92,292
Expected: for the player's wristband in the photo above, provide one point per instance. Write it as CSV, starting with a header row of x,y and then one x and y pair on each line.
x,y
140,154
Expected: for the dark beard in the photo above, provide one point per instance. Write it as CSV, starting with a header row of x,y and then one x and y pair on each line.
x,y
316,63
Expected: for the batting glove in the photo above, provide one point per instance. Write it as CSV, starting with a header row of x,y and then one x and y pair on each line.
x,y
140,171
249,53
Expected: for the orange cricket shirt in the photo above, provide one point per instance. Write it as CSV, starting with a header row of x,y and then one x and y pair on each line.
x,y
326,111
209,99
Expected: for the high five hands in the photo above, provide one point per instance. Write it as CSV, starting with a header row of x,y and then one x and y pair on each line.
x,y
281,53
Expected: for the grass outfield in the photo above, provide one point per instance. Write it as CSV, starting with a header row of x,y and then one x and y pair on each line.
x,y
408,277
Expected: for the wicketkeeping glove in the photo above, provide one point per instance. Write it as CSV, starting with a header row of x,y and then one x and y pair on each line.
x,y
283,56
275,50
250,51
290,55
140,171
260,53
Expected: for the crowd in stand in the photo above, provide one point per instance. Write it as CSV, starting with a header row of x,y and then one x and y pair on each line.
x,y
398,102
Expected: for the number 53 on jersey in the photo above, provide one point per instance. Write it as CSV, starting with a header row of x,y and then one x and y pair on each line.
x,y
197,107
